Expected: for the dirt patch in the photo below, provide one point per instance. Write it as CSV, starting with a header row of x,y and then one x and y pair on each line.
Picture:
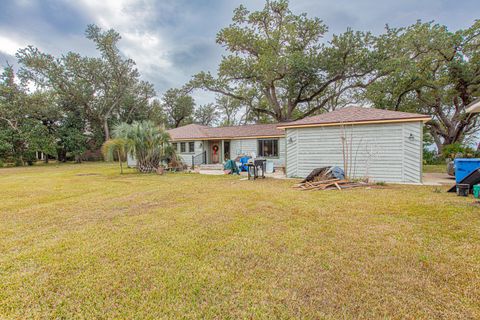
x,y
475,203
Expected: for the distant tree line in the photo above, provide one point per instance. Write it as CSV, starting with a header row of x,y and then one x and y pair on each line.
x,y
279,67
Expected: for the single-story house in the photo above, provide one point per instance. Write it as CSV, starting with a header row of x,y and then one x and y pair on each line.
x,y
380,144
201,144
474,107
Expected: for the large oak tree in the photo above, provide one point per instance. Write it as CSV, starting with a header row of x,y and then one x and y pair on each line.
x,y
434,71
107,88
280,65
178,107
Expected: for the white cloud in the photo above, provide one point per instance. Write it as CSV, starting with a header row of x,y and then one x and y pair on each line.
x,y
9,46
134,20
170,40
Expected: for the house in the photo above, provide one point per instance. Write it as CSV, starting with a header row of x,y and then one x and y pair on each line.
x,y
199,144
380,144
474,107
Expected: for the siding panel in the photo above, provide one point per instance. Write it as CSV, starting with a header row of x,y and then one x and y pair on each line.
x,y
292,154
187,156
382,152
249,146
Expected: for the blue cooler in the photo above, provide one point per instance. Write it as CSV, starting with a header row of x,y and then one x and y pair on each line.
x,y
463,167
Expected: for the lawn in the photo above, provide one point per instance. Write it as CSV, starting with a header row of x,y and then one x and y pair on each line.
x,y
435,168
82,241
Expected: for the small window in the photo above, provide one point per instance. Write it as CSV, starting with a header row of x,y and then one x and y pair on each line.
x,y
268,148
191,146
182,147
174,145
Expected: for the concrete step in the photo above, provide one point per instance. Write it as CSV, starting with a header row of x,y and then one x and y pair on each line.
x,y
217,166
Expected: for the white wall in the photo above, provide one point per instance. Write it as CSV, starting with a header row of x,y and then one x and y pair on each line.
x,y
131,161
247,146
187,156
382,152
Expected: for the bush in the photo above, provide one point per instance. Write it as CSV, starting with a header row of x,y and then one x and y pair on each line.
x,y
431,157
457,150
92,155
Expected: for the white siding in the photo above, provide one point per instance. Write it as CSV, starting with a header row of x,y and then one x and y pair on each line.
x,y
187,156
413,152
249,146
382,152
131,161
292,153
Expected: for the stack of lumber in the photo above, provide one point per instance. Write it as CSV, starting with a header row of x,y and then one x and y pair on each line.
x,y
330,184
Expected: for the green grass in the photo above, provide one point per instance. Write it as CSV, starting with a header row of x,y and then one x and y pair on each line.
x,y
81,241
435,168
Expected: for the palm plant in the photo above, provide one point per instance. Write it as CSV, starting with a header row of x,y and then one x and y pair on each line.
x,y
115,147
146,142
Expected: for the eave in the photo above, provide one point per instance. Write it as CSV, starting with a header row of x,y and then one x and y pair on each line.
x,y
422,119
228,138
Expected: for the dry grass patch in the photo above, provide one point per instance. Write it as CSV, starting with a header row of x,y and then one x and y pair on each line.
x,y
81,241
435,168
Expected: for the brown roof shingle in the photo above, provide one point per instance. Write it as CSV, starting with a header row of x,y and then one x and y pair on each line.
x,y
340,116
195,131
355,115
190,131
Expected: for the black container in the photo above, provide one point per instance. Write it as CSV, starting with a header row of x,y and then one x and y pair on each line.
x,y
463,190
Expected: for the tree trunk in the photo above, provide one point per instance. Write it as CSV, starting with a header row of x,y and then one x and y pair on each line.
x,y
106,130
120,161
437,141
146,166
443,137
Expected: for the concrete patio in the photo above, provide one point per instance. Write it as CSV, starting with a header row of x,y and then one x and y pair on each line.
x,y
438,179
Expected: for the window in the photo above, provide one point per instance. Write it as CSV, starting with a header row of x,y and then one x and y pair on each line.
x,y
182,147
268,148
174,145
191,146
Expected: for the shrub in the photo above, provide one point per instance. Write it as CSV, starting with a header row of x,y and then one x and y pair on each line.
x,y
456,150
431,157
144,141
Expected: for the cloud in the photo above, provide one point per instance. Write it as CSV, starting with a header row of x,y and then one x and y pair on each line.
x,y
171,40
9,46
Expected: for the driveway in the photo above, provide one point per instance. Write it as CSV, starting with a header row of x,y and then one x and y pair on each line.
x,y
438,179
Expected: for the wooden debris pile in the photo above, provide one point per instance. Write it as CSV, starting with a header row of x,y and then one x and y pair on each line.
x,y
329,184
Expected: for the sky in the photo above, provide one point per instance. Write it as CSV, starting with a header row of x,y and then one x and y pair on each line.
x,y
171,40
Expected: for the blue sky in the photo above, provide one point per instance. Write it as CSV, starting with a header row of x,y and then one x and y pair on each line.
x,y
173,39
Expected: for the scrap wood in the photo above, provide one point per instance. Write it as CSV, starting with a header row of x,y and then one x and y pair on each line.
x,y
330,184
314,183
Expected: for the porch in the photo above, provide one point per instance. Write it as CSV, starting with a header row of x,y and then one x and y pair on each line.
x,y
216,151
210,152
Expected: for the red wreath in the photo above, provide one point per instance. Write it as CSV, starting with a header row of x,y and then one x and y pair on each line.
x,y
215,149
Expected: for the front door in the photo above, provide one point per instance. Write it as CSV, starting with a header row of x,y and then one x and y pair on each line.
x,y
215,147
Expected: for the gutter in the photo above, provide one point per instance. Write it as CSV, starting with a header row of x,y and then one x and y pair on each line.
x,y
229,138
328,124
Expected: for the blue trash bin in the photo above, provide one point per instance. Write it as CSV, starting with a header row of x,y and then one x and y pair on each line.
x,y
463,167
